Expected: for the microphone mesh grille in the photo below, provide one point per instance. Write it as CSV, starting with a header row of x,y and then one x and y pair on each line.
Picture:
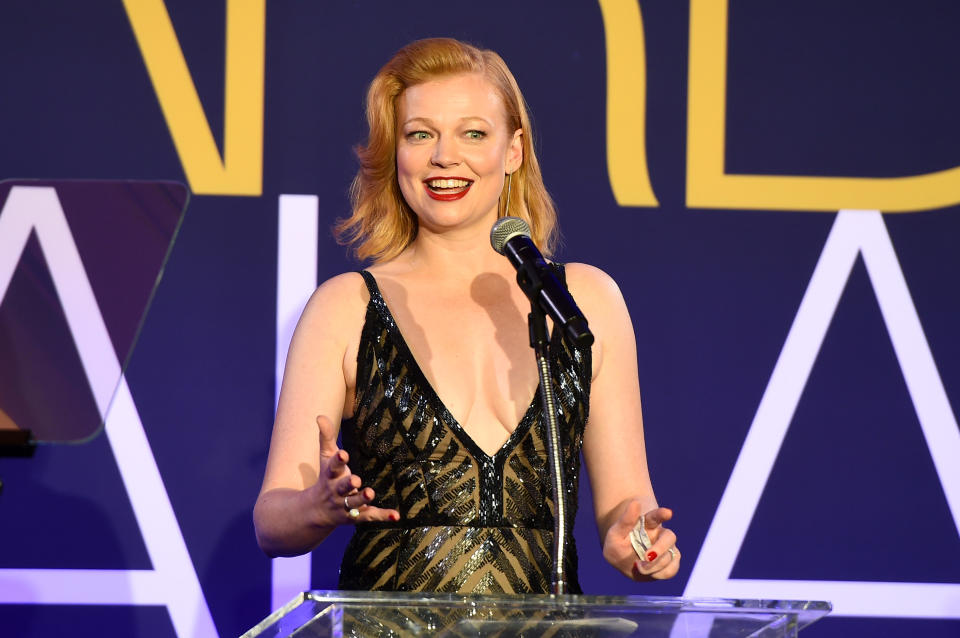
x,y
504,229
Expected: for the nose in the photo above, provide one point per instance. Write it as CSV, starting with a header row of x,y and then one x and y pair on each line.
x,y
445,153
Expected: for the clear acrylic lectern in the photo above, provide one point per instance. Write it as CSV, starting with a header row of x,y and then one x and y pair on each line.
x,y
317,614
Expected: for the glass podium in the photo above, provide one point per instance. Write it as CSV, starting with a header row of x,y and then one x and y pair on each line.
x,y
329,614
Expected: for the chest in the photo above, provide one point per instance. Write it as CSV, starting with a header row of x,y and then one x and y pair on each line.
x,y
469,344
473,349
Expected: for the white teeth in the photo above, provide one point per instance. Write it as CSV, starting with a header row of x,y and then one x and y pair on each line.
x,y
448,183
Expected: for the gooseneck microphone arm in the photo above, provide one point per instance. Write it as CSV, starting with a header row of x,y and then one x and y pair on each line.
x,y
540,342
510,237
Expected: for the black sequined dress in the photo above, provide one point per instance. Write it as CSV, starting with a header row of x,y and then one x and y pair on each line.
x,y
470,522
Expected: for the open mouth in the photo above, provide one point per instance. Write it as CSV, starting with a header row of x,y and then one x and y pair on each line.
x,y
447,188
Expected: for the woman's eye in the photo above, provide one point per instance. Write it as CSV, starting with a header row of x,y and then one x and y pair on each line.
x,y
476,135
417,136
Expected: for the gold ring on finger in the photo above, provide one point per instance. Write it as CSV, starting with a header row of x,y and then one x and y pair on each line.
x,y
673,553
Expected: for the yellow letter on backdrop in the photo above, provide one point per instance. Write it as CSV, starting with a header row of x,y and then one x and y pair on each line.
x,y
240,172
626,103
709,187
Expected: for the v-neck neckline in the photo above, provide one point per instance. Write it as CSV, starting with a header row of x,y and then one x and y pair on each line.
x,y
511,441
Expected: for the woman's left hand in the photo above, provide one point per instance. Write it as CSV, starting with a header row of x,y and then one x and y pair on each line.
x,y
663,558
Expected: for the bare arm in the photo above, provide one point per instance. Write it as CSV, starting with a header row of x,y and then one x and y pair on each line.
x,y
613,445
307,476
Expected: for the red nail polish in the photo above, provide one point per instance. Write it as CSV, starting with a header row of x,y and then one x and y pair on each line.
x,y
651,556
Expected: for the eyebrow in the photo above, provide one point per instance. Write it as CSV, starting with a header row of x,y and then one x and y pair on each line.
x,y
427,120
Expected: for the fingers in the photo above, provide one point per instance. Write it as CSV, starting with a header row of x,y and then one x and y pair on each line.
x,y
654,518
340,490
360,502
665,541
628,518
359,499
346,484
618,548
665,566
337,465
376,514
328,436
653,524
663,559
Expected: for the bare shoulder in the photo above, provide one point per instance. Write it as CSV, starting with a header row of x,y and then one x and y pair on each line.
x,y
603,305
342,288
337,303
323,349
592,287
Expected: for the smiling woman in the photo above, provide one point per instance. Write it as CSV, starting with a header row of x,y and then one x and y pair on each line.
x,y
421,362
383,223
454,140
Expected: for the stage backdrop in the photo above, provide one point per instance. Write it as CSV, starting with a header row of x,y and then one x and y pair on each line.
x,y
774,185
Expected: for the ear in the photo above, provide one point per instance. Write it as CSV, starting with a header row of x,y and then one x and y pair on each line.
x,y
515,152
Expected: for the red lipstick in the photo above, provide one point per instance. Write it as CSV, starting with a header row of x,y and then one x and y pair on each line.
x,y
447,194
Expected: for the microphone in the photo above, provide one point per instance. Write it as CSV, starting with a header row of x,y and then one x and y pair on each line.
x,y
510,237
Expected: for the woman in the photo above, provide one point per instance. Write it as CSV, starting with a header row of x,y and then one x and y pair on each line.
x,y
451,493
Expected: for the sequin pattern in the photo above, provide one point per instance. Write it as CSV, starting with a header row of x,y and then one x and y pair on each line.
x,y
470,522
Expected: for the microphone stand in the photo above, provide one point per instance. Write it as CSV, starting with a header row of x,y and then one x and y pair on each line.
x,y
540,342
510,237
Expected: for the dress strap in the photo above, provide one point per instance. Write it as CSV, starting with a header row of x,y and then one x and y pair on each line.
x,y
372,287
561,272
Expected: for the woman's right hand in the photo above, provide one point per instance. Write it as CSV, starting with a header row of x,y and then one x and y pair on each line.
x,y
338,490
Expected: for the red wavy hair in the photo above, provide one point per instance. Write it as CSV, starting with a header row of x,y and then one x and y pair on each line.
x,y
382,224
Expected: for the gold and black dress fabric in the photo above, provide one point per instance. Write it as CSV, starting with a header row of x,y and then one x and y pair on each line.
x,y
470,522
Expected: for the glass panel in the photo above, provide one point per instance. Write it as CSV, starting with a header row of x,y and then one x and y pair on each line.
x,y
79,264
322,614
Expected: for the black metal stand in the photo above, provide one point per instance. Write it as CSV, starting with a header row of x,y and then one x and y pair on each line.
x,y
540,342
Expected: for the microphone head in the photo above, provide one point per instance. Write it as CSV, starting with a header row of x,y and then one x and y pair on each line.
x,y
505,229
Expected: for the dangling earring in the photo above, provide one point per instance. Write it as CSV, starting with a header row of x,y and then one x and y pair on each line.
x,y
506,209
